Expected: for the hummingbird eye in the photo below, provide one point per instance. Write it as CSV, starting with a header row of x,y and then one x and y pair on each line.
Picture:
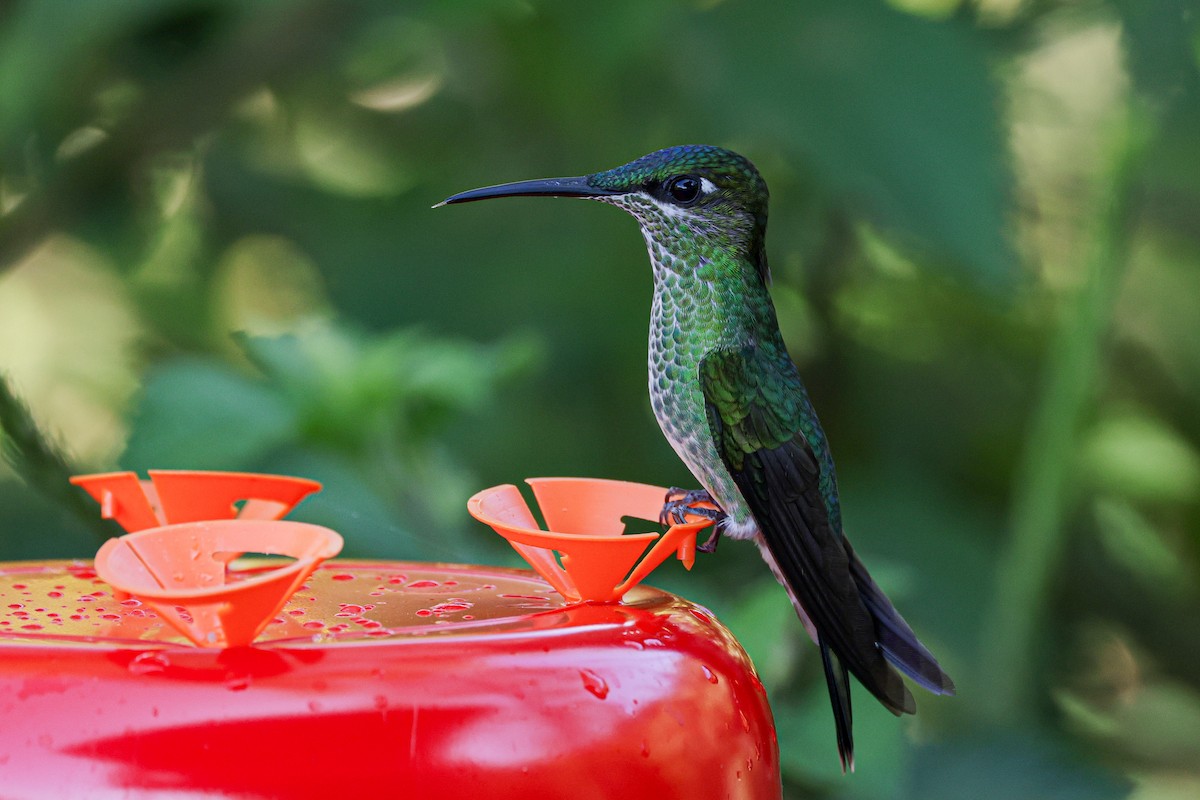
x,y
683,190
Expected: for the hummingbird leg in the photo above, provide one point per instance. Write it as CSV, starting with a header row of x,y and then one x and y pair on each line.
x,y
680,503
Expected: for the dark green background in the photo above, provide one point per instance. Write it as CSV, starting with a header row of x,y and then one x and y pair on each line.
x,y
217,251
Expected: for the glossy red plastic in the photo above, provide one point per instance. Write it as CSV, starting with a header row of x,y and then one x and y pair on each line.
x,y
379,680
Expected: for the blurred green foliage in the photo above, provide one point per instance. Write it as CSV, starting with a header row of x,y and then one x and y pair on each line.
x,y
216,250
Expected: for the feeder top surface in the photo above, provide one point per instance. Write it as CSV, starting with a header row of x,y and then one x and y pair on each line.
x,y
65,604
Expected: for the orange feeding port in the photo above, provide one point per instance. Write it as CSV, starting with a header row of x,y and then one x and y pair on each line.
x,y
181,572
584,517
181,569
172,496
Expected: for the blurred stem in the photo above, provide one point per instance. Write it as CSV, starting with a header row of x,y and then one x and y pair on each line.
x,y
1043,479
38,462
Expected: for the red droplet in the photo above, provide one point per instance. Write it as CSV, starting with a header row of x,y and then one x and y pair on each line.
x,y
594,683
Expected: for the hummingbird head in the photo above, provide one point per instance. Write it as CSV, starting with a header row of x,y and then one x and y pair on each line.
x,y
689,199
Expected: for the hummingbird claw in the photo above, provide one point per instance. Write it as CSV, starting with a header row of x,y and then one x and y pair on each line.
x,y
710,544
679,504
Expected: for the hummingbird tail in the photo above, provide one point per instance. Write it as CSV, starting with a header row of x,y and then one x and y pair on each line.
x,y
897,641
838,681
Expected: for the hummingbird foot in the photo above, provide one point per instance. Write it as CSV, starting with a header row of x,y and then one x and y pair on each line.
x,y
710,544
679,504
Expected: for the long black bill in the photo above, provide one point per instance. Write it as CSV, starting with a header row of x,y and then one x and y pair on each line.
x,y
545,187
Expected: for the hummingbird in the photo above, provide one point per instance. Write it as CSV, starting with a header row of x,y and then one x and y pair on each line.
x,y
730,401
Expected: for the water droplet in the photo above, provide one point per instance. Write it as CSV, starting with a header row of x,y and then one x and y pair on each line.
x,y
594,683
55,595
709,674
633,645
313,625
652,643
132,602
237,683
32,627
342,576
297,612
149,663
423,585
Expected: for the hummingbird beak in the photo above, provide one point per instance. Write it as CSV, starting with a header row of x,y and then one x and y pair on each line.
x,y
544,187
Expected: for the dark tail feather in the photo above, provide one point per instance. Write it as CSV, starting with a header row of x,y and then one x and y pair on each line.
x,y
897,641
838,681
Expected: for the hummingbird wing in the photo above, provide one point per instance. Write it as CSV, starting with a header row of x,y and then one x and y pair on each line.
x,y
760,418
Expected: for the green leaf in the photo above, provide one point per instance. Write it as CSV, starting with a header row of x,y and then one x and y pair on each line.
x,y
198,415
808,745
765,624
1007,766
891,110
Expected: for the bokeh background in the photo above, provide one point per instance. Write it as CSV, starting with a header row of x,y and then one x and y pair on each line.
x,y
217,251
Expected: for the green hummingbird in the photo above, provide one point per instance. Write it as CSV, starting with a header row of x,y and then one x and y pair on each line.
x,y
731,403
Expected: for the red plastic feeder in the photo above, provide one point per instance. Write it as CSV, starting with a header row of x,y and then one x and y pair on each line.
x,y
382,679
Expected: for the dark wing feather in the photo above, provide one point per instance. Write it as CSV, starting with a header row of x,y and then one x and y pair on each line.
x,y
898,642
756,411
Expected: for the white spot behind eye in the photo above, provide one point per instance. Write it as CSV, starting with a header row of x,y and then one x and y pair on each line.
x,y
707,186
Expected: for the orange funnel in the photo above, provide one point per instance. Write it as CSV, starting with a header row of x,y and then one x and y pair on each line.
x,y
172,496
186,526
599,561
180,571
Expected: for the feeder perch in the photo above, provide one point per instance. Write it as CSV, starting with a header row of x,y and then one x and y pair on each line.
x,y
599,561
180,571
